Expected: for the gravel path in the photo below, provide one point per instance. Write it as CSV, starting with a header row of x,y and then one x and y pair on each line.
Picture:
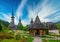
x,y
37,39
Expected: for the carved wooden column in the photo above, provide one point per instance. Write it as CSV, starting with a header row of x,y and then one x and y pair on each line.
x,y
44,32
34,32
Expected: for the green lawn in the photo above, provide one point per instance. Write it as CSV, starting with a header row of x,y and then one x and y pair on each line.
x,y
54,40
43,40
10,40
30,40
50,36
14,40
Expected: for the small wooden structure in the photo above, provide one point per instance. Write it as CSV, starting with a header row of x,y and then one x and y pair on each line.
x,y
37,28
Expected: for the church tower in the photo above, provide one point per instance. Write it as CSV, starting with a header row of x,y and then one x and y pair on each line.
x,y
19,21
20,26
12,17
12,25
31,21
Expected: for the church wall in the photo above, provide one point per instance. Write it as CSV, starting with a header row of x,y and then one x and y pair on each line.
x,y
32,32
42,32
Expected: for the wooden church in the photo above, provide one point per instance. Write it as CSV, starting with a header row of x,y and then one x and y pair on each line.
x,y
37,28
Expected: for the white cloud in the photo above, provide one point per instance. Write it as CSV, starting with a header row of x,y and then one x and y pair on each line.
x,y
6,17
43,11
25,22
20,7
56,17
16,21
19,11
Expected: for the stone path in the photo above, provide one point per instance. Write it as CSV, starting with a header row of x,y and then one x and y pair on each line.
x,y
37,39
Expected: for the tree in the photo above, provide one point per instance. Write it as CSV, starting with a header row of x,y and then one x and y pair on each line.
x,y
47,27
20,27
5,23
0,27
4,27
58,26
26,28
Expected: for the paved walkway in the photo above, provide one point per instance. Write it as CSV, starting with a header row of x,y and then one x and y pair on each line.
x,y
37,39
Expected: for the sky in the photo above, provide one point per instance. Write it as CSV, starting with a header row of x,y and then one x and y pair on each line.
x,y
47,10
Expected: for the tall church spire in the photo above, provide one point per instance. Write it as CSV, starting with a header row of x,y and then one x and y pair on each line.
x,y
12,13
12,17
12,24
19,20
31,21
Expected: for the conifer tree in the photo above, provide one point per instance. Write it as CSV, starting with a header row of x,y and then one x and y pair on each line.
x,y
20,27
0,27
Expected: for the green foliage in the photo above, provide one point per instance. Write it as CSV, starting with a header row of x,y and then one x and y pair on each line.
x,y
10,40
47,32
47,26
20,27
45,40
0,27
26,28
4,27
58,25
20,36
17,36
54,40
4,23
4,35
10,32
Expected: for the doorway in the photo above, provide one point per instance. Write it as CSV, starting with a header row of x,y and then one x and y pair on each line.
x,y
37,33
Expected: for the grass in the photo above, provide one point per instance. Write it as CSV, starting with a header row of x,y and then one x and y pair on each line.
x,y
54,40
43,40
47,36
10,40
30,40
14,40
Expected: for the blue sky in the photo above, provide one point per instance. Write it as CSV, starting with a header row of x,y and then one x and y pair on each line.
x,y
47,10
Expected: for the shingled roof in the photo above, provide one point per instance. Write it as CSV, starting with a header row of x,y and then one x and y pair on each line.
x,y
12,26
51,25
37,24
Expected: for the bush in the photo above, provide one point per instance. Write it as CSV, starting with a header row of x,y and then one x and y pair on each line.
x,y
17,37
5,36
11,32
0,27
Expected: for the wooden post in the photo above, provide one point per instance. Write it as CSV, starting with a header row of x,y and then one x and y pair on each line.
x,y
34,32
44,32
